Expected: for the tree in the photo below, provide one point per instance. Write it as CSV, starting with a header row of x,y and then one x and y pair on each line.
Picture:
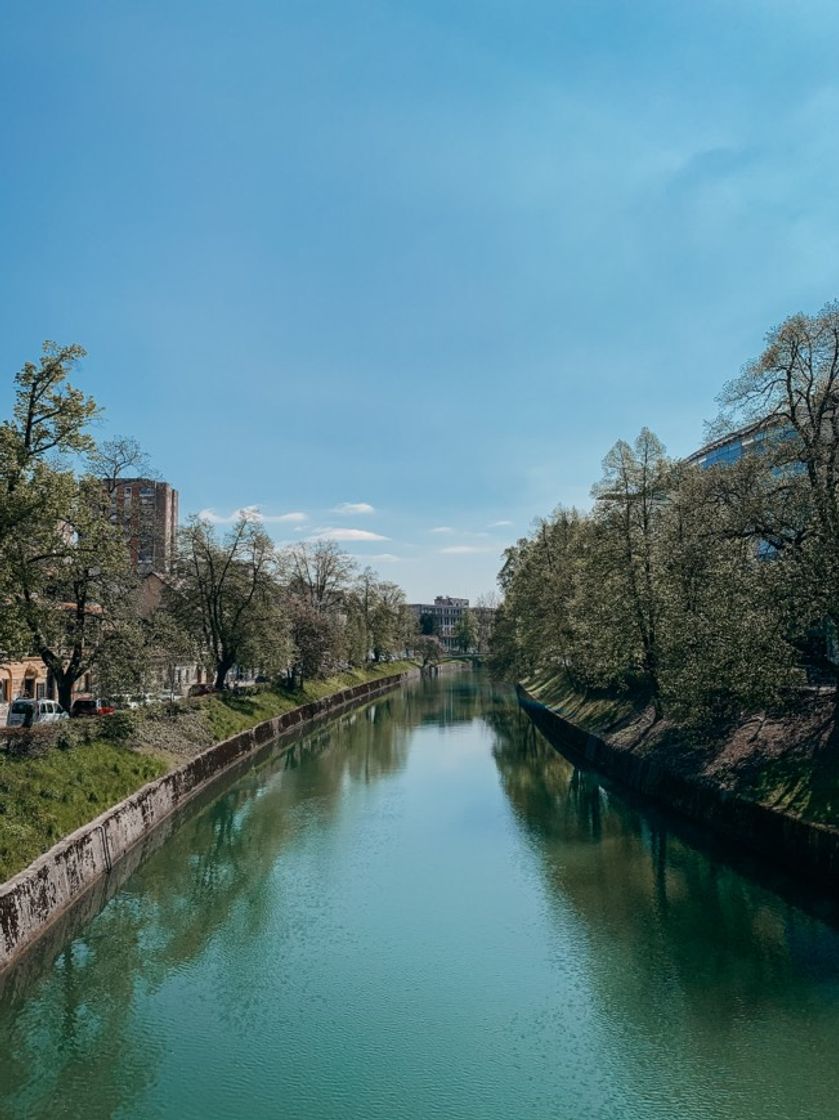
x,y
317,578
49,419
428,649
464,632
71,585
48,424
319,571
724,621
483,616
630,497
225,594
791,393
390,620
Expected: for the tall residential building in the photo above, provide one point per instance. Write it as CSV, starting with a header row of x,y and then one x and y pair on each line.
x,y
148,513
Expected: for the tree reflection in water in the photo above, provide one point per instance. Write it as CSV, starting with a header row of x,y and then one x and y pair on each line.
x,y
687,920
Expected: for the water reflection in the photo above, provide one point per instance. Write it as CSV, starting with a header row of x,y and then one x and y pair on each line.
x,y
213,871
555,930
703,949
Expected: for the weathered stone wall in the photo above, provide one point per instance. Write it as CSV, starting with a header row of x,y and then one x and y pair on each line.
x,y
38,895
802,847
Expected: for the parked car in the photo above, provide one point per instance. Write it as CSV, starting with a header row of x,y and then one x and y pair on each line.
x,y
25,712
90,706
200,690
123,703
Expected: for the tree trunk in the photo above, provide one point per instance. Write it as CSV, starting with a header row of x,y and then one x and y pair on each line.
x,y
64,684
222,669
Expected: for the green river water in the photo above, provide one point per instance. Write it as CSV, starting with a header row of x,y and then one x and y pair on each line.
x,y
423,911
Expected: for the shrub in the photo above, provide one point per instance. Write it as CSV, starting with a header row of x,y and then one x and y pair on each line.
x,y
70,734
119,727
29,742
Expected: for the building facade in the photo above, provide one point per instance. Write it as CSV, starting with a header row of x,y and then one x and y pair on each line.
x,y
31,679
441,617
148,513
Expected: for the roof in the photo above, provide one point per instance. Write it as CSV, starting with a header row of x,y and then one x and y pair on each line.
x,y
733,437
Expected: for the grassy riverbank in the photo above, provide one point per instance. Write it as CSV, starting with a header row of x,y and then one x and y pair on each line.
x,y
45,798
782,760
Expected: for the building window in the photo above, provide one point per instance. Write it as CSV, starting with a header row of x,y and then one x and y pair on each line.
x,y
126,490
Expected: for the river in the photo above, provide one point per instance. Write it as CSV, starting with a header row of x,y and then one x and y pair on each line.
x,y
423,911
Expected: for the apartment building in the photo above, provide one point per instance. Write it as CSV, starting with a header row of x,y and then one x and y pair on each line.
x,y
148,513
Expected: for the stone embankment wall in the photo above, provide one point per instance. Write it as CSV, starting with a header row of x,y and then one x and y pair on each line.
x,y
802,847
33,899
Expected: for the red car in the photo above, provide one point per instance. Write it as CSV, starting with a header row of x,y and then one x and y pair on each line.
x,y
90,706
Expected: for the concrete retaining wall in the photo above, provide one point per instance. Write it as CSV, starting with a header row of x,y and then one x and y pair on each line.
x,y
33,899
800,846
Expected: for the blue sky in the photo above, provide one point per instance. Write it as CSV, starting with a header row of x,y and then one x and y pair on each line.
x,y
431,257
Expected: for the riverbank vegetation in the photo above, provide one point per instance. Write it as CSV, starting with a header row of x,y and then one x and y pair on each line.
x,y
702,592
49,792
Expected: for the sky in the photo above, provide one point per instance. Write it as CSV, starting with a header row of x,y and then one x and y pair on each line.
x,y
399,273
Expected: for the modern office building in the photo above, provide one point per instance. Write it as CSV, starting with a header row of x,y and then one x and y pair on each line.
x,y
734,445
441,617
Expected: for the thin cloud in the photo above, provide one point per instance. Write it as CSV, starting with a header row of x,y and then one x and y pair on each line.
x,y
347,535
252,513
464,550
499,524
442,529
353,508
384,558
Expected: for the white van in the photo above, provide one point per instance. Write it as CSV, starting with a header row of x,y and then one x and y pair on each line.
x,y
24,712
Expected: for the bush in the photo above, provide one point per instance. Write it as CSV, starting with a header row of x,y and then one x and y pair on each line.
x,y
70,734
29,742
119,727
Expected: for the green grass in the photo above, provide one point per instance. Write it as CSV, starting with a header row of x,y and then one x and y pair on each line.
x,y
590,710
229,714
43,799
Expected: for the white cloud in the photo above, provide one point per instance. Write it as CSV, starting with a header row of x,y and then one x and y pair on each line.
x,y
499,524
441,529
464,550
353,508
347,535
384,558
253,513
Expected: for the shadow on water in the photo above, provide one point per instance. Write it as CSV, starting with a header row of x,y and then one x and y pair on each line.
x,y
727,932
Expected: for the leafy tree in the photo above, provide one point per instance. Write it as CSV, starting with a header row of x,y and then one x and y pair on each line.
x,y
630,497
483,616
319,572
428,648
71,585
226,596
791,391
47,426
465,632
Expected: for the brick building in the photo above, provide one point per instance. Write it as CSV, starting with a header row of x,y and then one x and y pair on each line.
x,y
148,513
